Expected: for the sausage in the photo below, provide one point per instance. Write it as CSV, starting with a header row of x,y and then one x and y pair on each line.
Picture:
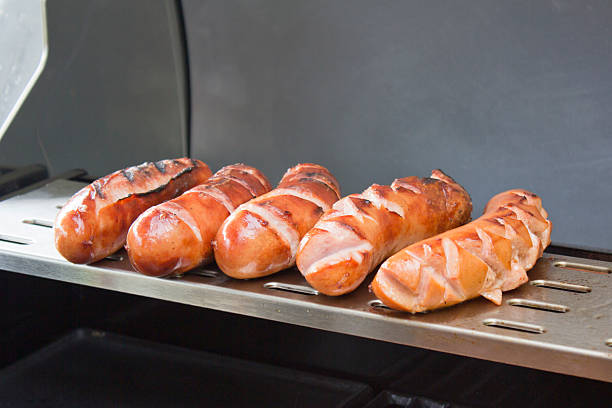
x,y
261,236
94,222
176,236
485,257
361,230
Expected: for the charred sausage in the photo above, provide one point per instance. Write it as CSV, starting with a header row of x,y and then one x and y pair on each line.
x,y
361,230
485,257
176,236
94,222
262,235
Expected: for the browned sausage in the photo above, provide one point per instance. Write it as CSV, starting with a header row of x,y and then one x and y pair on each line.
x,y
94,222
176,236
261,236
485,257
348,242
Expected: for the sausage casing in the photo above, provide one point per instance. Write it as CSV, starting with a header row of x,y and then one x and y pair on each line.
x,y
485,257
94,222
176,236
261,237
361,230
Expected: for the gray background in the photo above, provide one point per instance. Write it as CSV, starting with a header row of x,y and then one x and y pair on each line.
x,y
498,93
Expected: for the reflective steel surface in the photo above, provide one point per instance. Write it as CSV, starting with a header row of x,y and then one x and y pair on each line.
x,y
549,326
23,53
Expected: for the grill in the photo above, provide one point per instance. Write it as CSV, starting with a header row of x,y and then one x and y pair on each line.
x,y
498,94
558,322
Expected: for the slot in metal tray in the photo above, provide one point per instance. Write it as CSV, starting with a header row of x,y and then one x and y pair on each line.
x,y
560,321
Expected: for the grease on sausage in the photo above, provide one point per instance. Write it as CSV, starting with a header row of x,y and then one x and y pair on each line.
x,y
485,257
361,230
176,236
94,222
261,237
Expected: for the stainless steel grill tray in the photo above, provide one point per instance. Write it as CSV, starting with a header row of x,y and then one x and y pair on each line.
x,y
560,321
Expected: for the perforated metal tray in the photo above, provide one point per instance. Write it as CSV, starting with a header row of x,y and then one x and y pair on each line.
x,y
560,321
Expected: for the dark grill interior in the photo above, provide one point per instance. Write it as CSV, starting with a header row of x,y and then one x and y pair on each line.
x,y
498,94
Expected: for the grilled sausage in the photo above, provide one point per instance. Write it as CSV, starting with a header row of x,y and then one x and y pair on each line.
x,y
261,236
485,257
348,242
94,222
176,236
